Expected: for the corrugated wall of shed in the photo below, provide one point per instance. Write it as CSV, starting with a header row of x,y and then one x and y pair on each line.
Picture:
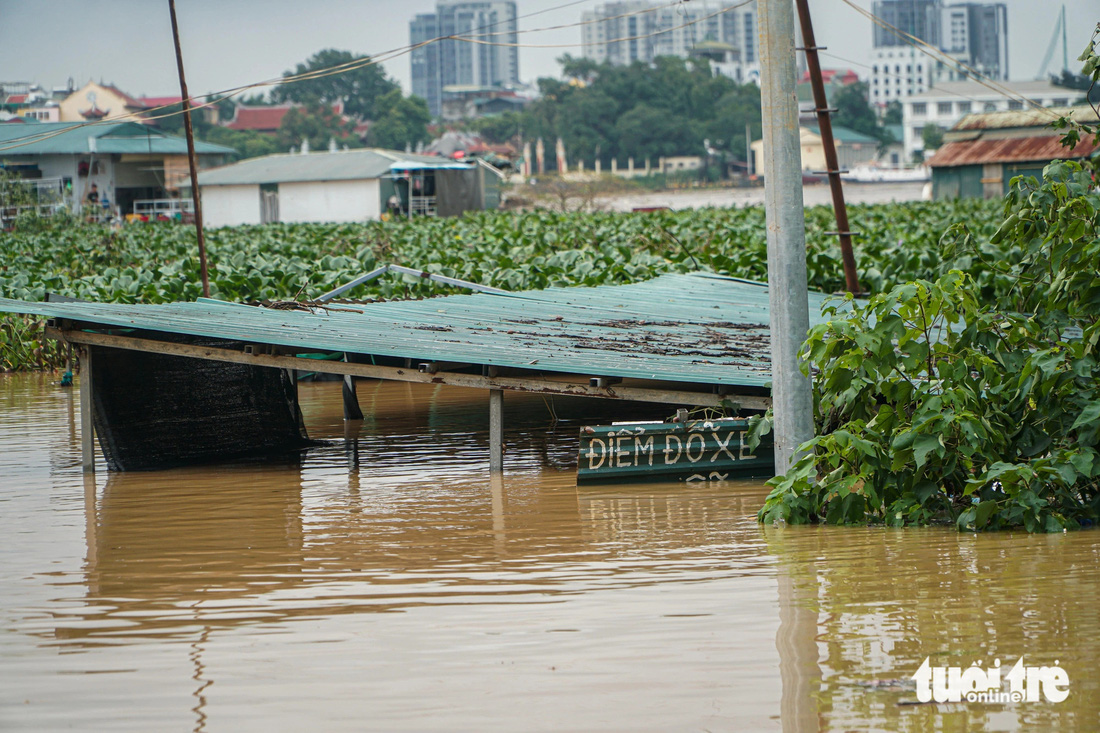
x,y
226,206
329,201
457,191
964,181
490,189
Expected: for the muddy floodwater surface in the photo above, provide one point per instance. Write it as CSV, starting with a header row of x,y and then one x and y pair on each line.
x,y
385,582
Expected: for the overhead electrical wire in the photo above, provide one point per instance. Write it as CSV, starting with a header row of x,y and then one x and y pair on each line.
x,y
896,76
610,40
932,52
214,98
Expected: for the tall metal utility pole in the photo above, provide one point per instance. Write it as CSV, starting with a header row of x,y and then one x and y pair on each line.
x,y
190,153
792,400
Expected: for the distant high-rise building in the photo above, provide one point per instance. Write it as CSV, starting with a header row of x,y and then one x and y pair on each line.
x,y
977,35
641,30
974,35
920,18
450,62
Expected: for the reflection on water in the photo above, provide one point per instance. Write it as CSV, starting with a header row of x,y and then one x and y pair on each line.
x,y
385,582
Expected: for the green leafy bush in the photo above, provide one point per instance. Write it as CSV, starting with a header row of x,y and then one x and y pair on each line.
x,y
156,263
973,398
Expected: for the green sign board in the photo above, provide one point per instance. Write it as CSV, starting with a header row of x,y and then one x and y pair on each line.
x,y
697,450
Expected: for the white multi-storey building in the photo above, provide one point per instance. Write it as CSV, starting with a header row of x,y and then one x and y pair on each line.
x,y
948,102
969,36
897,72
640,30
449,62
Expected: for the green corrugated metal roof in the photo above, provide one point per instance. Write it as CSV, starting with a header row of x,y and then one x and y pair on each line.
x,y
344,165
698,328
71,138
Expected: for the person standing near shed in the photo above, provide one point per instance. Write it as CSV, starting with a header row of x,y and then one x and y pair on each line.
x,y
91,203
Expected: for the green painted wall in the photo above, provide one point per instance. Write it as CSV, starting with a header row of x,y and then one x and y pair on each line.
x,y
963,181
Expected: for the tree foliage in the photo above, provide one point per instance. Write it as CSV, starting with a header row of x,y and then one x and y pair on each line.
x,y
247,143
401,121
502,128
603,111
318,124
932,136
973,398
338,77
13,189
854,112
1074,131
893,113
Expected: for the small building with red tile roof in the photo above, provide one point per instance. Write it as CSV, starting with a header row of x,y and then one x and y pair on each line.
x,y
150,102
258,118
265,118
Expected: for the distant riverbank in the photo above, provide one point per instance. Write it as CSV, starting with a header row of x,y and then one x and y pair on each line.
x,y
859,193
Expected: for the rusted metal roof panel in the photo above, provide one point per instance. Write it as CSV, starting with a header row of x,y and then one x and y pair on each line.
x,y
1024,117
1041,148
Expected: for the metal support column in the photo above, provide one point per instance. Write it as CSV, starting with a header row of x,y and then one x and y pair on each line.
x,y
496,430
786,231
87,429
352,411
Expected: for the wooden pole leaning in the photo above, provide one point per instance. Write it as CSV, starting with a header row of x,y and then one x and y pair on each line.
x,y
192,165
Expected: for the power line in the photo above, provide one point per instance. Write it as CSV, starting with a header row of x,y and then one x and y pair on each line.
x,y
895,76
938,55
613,40
366,61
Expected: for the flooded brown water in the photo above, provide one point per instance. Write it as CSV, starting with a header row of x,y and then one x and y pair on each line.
x,y
386,583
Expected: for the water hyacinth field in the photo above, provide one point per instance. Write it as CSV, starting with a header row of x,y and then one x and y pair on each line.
x,y
156,263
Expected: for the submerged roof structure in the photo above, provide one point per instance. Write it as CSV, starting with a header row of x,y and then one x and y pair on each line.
x,y
700,329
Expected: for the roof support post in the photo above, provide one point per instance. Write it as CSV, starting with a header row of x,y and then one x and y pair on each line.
x,y
786,232
352,411
496,430
87,429
91,525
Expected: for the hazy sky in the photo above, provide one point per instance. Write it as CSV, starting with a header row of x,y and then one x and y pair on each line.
x,y
229,43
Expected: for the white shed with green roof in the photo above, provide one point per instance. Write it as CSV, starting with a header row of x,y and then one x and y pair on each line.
x,y
343,186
